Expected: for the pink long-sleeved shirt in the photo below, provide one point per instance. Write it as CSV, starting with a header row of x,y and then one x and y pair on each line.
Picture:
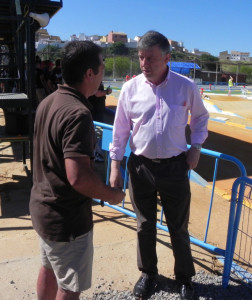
x,y
157,116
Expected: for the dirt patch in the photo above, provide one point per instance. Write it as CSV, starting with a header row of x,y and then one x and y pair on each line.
x,y
237,105
114,255
226,98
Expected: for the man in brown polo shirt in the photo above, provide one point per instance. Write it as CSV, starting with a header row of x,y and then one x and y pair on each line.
x,y
64,180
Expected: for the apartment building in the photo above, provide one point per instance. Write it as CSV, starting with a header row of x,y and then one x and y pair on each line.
x,y
117,37
239,56
234,56
178,46
197,52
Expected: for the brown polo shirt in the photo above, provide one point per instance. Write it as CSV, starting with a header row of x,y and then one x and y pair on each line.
x,y
63,128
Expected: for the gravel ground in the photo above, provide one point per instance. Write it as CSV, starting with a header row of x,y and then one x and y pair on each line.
x,y
207,287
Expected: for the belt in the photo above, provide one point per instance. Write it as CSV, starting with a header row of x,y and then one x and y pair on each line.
x,y
164,160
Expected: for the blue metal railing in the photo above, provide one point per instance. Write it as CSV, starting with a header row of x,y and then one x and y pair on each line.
x,y
107,138
218,156
237,207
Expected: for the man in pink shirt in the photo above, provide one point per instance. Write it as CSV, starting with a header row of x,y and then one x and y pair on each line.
x,y
153,111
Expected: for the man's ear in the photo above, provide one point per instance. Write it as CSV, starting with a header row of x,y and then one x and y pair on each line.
x,y
167,57
89,74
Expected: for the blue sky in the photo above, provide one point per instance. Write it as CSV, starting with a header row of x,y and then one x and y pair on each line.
x,y
209,25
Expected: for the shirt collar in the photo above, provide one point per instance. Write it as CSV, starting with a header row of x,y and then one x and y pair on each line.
x,y
162,84
63,89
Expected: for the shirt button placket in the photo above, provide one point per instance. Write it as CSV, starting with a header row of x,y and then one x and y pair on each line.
x,y
158,124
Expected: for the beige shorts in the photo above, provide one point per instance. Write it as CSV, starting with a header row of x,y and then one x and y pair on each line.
x,y
71,261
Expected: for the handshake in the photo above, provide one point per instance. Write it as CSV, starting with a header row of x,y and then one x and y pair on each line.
x,y
108,90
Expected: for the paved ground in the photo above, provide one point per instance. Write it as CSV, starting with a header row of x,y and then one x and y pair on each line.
x,y
114,234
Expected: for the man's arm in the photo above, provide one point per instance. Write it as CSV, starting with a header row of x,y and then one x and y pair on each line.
x,y
192,157
115,174
198,125
102,93
83,179
121,133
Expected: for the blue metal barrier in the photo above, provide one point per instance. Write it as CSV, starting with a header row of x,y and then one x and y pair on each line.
x,y
106,140
217,157
237,258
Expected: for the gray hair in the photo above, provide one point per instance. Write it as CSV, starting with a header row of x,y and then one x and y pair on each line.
x,y
153,38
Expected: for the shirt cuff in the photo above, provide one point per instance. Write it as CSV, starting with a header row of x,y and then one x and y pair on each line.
x,y
115,152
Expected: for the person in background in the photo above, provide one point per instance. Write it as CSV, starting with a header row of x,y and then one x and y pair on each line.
x,y
55,77
98,101
3,74
42,89
230,85
64,181
154,106
47,69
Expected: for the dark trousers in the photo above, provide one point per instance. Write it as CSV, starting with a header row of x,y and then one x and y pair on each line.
x,y
169,178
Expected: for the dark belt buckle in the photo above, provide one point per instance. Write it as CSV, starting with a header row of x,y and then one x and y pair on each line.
x,y
157,161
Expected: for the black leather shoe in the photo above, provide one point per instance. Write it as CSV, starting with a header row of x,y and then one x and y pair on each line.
x,y
186,290
144,286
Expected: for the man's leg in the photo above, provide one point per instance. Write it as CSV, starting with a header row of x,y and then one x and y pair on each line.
x,y
177,215
144,200
47,288
67,295
174,188
175,196
72,264
46,284
143,196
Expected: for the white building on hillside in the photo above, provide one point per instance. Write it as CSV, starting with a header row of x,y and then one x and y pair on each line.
x,y
131,43
73,37
239,56
196,51
83,37
235,56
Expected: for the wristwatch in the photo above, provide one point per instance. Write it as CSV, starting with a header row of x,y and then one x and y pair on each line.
x,y
197,146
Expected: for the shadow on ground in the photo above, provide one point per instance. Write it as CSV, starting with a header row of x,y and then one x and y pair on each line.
x,y
15,197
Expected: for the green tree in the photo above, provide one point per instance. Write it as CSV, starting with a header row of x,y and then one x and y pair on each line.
x,y
120,66
178,56
109,62
248,71
133,52
208,62
118,48
208,57
229,68
135,67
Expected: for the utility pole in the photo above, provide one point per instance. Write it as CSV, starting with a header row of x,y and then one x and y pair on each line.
x,y
131,66
216,77
194,67
113,67
237,72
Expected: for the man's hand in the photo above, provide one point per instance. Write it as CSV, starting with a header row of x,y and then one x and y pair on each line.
x,y
83,179
118,196
116,182
192,157
108,90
